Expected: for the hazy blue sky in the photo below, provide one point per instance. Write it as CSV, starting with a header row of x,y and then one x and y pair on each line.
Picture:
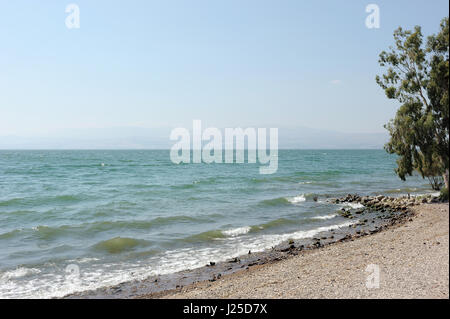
x,y
228,63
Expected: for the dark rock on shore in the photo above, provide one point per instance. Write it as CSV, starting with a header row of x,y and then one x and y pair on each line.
x,y
383,203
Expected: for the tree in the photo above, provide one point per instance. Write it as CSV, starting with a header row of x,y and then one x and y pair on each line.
x,y
432,170
418,77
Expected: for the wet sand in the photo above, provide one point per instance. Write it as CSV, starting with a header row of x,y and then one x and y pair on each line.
x,y
412,256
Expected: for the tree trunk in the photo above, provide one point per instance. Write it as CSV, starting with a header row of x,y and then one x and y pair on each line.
x,y
446,178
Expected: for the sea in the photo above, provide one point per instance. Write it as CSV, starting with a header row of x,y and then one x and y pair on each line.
x,y
78,220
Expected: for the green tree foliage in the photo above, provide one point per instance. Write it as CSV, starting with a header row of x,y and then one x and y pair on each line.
x,y
417,76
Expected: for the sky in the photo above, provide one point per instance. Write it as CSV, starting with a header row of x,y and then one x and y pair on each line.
x,y
159,64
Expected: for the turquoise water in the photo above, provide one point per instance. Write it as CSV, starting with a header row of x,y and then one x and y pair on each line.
x,y
115,216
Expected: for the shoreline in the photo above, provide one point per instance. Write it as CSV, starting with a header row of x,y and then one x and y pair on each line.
x,y
412,256
375,217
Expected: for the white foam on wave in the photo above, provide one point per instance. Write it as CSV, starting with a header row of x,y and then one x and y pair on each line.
x,y
18,273
83,260
435,194
310,233
354,205
58,283
236,231
331,216
297,199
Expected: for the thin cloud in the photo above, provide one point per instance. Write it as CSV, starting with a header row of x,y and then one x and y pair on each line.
x,y
336,82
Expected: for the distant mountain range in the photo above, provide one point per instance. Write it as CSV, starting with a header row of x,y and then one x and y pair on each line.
x,y
150,138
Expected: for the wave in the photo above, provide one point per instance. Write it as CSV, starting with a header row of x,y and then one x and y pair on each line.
x,y
183,186
262,180
206,181
272,224
12,201
35,201
199,182
19,272
318,175
236,231
353,205
403,190
435,194
205,236
297,199
10,234
331,216
48,232
312,232
119,244
280,201
145,224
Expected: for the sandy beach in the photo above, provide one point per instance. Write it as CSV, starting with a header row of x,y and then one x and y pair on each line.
x,y
413,261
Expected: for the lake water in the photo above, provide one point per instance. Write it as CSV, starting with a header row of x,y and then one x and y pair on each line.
x,y
78,220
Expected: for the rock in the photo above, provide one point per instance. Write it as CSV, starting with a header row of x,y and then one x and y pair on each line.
x,y
345,213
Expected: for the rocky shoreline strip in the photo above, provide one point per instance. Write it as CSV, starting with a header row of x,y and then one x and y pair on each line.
x,y
385,203
376,213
